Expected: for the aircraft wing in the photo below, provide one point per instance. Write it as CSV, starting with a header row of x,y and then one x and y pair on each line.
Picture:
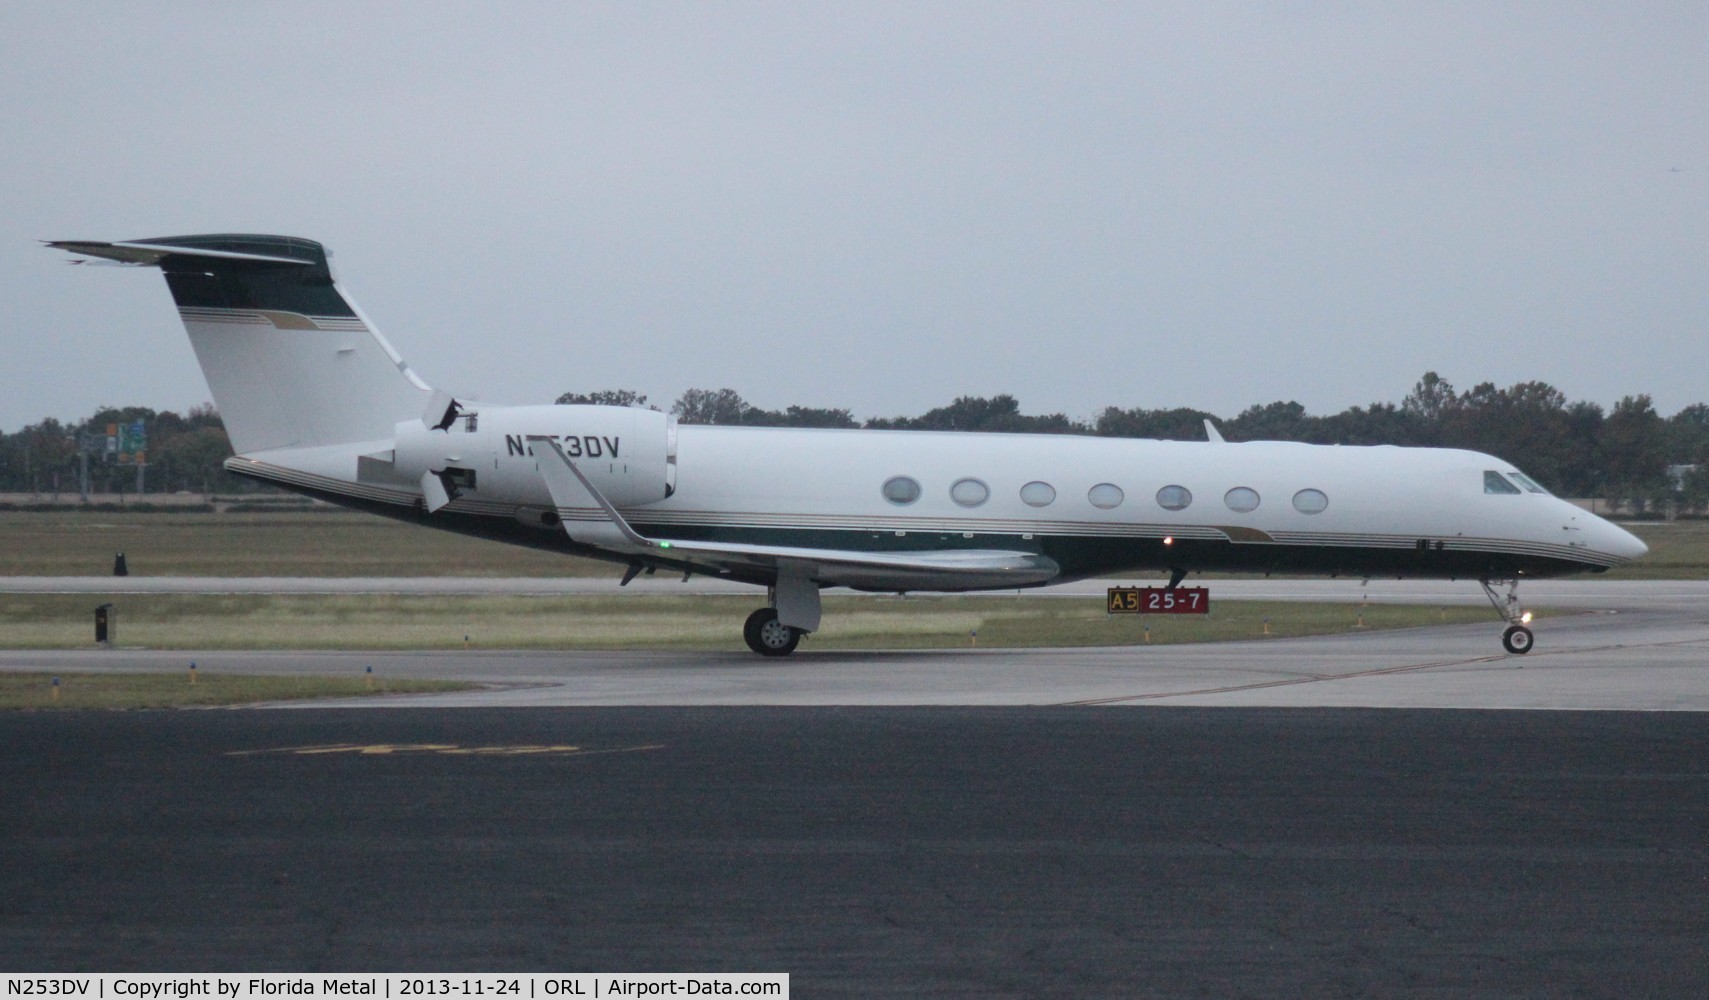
x,y
944,569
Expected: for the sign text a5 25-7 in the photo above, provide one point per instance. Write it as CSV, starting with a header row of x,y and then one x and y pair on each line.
x,y
1159,601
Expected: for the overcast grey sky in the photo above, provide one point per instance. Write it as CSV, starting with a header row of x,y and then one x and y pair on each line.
x,y
883,206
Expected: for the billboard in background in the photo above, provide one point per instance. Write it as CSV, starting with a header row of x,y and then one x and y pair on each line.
x,y
129,442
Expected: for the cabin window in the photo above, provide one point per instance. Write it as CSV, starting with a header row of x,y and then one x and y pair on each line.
x,y
901,490
969,492
1036,494
1495,482
1311,501
1527,482
1174,497
1105,496
1241,499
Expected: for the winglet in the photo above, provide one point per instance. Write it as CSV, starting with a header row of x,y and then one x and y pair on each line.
x,y
1212,434
563,494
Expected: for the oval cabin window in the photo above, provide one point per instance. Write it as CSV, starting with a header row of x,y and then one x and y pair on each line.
x,y
1241,500
901,490
1105,496
1311,501
1174,497
1038,494
969,492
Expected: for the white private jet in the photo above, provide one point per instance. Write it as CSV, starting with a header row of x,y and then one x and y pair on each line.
x,y
316,401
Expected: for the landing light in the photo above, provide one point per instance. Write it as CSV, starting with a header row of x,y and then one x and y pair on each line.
x,y
1168,539
1525,619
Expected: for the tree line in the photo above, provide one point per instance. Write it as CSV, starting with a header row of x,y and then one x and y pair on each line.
x,y
1628,455
184,453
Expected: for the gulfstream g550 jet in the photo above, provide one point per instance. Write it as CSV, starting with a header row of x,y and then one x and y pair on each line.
x,y
316,401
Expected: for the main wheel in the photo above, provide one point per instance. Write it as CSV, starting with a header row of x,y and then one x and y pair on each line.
x,y
767,636
751,627
1517,639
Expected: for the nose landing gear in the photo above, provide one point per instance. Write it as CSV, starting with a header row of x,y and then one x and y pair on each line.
x,y
1517,637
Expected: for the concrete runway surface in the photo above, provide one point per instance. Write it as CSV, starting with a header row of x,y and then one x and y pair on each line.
x,y
963,823
1634,645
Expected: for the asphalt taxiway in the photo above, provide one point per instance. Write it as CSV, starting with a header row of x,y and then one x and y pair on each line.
x,y
1141,821
930,851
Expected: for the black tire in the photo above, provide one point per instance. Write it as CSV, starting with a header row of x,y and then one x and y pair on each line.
x,y
1517,639
767,636
751,627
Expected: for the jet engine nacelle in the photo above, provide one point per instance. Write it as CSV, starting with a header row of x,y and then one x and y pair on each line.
x,y
628,453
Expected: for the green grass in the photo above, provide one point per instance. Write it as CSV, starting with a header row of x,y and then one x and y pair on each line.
x,y
132,691
631,621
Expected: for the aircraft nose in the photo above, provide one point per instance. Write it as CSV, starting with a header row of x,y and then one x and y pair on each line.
x,y
1617,541
1625,544
1605,538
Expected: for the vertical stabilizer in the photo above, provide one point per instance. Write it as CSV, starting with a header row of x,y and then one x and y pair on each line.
x,y
290,361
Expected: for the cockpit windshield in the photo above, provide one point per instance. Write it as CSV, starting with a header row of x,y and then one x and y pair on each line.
x,y
1510,483
1495,482
1527,482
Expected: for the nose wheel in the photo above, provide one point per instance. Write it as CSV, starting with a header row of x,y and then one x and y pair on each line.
x,y
1517,638
767,636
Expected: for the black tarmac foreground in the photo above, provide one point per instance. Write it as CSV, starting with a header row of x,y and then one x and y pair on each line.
x,y
871,851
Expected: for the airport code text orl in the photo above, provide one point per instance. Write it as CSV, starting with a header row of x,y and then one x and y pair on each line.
x,y
537,986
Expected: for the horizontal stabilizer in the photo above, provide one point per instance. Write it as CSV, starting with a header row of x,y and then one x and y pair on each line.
x,y
144,253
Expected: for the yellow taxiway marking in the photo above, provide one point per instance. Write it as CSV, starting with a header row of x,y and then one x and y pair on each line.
x,y
446,749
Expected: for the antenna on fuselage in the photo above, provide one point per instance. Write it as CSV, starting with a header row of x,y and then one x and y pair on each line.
x,y
1212,434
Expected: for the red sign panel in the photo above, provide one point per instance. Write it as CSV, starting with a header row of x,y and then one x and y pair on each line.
x,y
1159,601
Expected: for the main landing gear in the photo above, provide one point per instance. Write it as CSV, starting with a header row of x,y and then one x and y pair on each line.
x,y
1517,638
792,612
769,637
